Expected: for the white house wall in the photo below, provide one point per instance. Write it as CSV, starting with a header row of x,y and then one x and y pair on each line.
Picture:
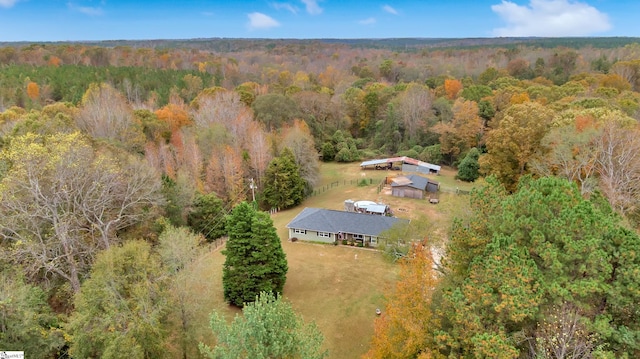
x,y
311,236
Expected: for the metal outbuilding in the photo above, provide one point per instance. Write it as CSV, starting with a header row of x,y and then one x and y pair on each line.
x,y
408,165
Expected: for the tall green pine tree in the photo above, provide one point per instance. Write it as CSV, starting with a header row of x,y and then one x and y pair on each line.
x,y
526,265
469,169
255,261
207,216
284,187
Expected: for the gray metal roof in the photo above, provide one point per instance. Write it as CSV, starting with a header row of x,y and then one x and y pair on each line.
x,y
418,182
332,221
377,208
373,162
403,159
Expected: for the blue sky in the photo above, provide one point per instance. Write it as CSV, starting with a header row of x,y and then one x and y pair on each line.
x,y
77,20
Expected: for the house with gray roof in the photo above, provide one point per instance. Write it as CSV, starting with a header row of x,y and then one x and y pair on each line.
x,y
331,226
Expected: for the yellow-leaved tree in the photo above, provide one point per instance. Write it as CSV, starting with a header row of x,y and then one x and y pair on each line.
x,y
63,201
402,329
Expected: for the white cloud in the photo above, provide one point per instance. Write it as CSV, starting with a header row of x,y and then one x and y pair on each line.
x,y
285,6
550,18
390,10
312,7
261,21
8,3
367,21
87,10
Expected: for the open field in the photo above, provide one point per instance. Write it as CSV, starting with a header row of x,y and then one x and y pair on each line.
x,y
330,284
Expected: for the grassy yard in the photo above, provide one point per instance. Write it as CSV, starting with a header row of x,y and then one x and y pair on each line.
x,y
337,287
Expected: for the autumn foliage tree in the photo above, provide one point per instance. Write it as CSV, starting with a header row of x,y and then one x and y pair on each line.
x,y
63,201
401,330
33,91
570,152
618,167
122,308
105,114
180,249
174,115
415,108
513,141
274,110
299,140
463,132
452,88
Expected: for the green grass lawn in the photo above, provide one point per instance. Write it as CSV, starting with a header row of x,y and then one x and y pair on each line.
x,y
337,287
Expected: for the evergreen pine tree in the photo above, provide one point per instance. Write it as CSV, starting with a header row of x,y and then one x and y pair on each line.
x,y
328,151
207,216
284,187
255,261
469,169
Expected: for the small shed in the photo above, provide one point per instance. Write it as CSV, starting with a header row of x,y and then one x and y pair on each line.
x,y
413,186
368,207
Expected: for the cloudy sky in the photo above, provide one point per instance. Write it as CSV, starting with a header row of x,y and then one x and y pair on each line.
x,y
61,20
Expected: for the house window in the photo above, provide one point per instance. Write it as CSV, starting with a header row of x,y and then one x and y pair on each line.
x,y
324,234
300,231
358,236
374,240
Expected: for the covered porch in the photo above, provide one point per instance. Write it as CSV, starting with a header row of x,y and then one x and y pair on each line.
x,y
356,239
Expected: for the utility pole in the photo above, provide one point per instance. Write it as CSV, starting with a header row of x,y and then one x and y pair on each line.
x,y
253,189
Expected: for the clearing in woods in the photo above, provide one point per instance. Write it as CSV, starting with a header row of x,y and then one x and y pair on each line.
x,y
338,287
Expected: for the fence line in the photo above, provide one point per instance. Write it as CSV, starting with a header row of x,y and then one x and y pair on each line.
x,y
454,190
380,186
344,182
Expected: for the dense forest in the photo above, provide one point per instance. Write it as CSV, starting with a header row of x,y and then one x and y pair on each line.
x,y
118,150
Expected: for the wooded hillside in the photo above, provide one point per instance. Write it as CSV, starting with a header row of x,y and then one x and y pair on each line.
x,y
110,142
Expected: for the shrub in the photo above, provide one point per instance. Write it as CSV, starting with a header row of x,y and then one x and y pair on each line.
x,y
328,151
431,154
409,153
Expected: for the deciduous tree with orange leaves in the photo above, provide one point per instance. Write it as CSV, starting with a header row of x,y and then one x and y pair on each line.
x,y
33,90
401,330
175,115
452,87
